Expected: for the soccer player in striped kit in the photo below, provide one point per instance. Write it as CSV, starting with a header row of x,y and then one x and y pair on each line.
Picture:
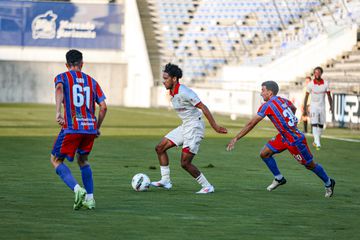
x,y
281,112
78,93
189,134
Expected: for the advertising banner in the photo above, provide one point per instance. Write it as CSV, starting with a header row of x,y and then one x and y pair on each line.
x,y
60,24
346,109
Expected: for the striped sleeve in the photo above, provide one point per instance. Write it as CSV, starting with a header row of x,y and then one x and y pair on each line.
x,y
59,79
262,110
99,94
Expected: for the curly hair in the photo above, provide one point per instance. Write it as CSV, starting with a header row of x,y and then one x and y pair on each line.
x,y
320,69
173,70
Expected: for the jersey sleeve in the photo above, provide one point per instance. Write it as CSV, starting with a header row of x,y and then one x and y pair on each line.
x,y
327,87
99,94
289,103
309,87
59,79
192,97
262,111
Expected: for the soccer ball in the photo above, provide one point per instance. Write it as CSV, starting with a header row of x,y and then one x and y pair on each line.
x,y
140,182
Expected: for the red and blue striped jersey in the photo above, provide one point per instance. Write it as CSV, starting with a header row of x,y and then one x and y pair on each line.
x,y
278,110
80,94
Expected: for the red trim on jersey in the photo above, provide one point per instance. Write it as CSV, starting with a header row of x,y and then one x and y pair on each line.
x,y
320,82
83,107
73,110
90,83
98,91
197,104
176,90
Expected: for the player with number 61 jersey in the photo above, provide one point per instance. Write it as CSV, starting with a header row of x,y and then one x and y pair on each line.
x,y
80,94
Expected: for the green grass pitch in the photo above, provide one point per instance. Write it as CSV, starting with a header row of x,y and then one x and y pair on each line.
x,y
36,204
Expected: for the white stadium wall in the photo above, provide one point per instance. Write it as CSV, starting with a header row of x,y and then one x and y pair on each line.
x,y
139,75
234,102
33,82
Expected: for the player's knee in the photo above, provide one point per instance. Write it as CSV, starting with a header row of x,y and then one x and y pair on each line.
x,y
264,154
159,149
81,158
55,161
310,166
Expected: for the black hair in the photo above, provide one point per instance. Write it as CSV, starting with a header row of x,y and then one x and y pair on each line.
x,y
74,57
272,86
173,70
319,68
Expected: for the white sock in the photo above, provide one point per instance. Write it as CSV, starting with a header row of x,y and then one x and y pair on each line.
x,y
279,177
77,188
201,179
320,131
316,135
165,173
89,196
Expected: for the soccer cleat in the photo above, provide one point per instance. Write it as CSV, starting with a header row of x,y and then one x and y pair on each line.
x,y
329,191
89,204
206,190
164,184
79,198
275,183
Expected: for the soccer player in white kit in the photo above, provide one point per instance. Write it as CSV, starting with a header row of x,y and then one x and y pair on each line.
x,y
189,134
317,88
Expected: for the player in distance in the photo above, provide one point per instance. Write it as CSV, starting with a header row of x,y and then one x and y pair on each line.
x,y
281,112
317,88
189,134
78,93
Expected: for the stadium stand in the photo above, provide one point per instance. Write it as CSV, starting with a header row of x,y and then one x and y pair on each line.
x,y
203,36
345,72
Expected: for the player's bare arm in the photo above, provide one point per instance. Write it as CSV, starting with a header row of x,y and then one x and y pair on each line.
x,y
101,116
305,104
249,126
330,101
59,97
211,119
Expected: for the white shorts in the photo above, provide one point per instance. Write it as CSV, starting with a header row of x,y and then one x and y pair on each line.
x,y
317,116
188,136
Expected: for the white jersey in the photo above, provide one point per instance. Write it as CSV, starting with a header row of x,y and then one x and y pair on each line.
x,y
184,101
318,92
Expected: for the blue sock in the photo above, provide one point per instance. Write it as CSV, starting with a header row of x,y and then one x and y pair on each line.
x,y
87,179
65,174
271,163
320,172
